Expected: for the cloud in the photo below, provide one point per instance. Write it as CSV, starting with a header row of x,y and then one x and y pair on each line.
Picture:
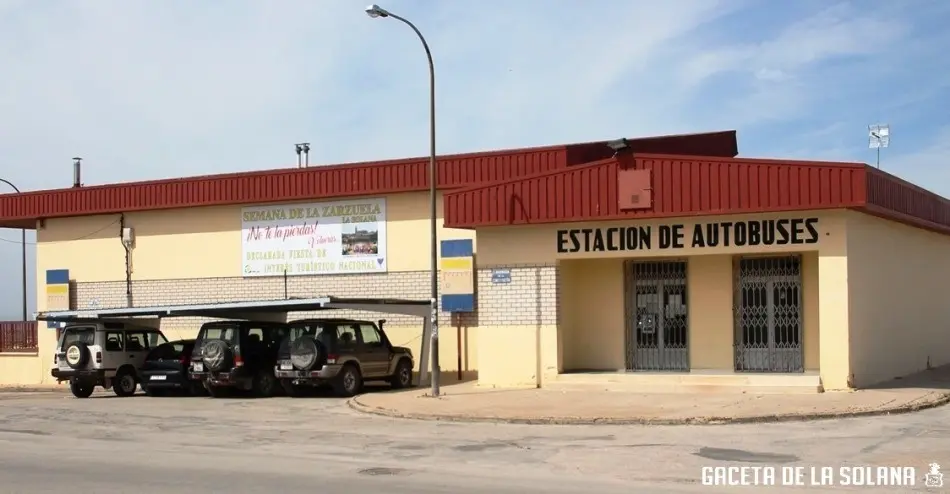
x,y
147,90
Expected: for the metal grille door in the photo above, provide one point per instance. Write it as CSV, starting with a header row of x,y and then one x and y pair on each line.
x,y
768,315
657,316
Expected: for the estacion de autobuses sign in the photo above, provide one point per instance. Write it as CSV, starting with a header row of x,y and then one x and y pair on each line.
x,y
748,233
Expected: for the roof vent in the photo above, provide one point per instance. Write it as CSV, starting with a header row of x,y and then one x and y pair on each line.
x,y
77,178
304,148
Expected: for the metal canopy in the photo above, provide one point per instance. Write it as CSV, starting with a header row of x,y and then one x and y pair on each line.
x,y
236,310
261,309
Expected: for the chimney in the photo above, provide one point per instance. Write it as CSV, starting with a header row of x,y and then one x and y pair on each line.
x,y
303,147
77,177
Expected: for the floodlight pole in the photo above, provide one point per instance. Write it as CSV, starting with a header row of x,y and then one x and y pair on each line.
x,y
23,248
879,157
376,11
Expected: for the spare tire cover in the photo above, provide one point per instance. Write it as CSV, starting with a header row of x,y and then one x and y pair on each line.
x,y
77,355
304,352
215,354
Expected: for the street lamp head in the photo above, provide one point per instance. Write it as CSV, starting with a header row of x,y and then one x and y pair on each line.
x,y
375,11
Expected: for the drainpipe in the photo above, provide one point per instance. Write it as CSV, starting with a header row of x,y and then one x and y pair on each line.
x,y
125,236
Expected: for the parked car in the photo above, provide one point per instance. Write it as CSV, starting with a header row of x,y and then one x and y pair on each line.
x,y
100,353
344,353
166,370
240,355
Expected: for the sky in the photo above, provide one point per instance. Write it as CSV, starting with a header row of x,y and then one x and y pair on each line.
x,y
145,90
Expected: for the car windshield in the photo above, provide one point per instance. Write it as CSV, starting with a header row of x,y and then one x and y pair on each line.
x,y
226,333
314,329
308,329
85,335
156,338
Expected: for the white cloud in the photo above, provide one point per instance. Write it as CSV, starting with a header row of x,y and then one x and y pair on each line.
x,y
159,89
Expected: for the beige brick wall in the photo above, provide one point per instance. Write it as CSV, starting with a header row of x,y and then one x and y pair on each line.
x,y
531,297
112,294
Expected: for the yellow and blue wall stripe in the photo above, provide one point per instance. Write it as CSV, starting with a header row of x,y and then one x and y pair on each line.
x,y
458,276
57,292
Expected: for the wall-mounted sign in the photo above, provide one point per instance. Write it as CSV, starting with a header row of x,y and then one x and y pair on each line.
x,y
751,233
458,275
316,238
57,292
500,276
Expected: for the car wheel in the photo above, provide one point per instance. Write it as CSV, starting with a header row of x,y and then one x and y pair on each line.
x,y
124,384
348,382
265,384
402,378
81,389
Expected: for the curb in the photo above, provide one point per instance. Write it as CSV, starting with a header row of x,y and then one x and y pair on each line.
x,y
943,398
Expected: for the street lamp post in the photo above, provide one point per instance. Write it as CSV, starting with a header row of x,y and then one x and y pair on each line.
x,y
23,242
377,11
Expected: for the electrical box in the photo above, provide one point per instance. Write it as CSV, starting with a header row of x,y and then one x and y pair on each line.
x,y
128,236
634,189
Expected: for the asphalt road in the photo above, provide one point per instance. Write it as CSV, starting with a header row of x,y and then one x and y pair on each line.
x,y
50,442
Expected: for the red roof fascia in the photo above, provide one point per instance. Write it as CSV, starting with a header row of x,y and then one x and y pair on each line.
x,y
896,199
331,182
336,181
681,186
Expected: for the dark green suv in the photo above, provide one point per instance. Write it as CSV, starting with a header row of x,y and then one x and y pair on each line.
x,y
343,353
237,355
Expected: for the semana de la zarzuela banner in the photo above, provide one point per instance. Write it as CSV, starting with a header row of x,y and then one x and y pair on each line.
x,y
316,238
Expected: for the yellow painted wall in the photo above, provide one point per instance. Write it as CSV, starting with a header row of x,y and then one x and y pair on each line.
x,y
205,242
449,332
871,286
517,356
20,369
592,314
898,280
834,333
710,294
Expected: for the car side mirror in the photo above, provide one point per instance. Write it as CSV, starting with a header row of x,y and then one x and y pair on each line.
x,y
380,323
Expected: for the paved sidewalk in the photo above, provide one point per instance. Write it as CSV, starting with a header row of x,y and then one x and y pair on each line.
x,y
470,403
8,389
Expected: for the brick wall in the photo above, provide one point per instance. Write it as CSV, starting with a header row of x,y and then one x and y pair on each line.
x,y
530,298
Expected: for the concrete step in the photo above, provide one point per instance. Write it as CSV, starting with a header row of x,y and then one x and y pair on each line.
x,y
692,382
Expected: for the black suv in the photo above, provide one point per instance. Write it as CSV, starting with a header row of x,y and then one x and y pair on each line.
x,y
343,353
237,354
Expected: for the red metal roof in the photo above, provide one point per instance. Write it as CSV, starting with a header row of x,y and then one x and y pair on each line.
x,y
693,186
327,182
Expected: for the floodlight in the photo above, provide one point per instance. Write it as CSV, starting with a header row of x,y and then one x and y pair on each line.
x,y
618,145
375,11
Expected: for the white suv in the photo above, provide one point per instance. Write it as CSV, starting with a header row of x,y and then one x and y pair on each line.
x,y
107,354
